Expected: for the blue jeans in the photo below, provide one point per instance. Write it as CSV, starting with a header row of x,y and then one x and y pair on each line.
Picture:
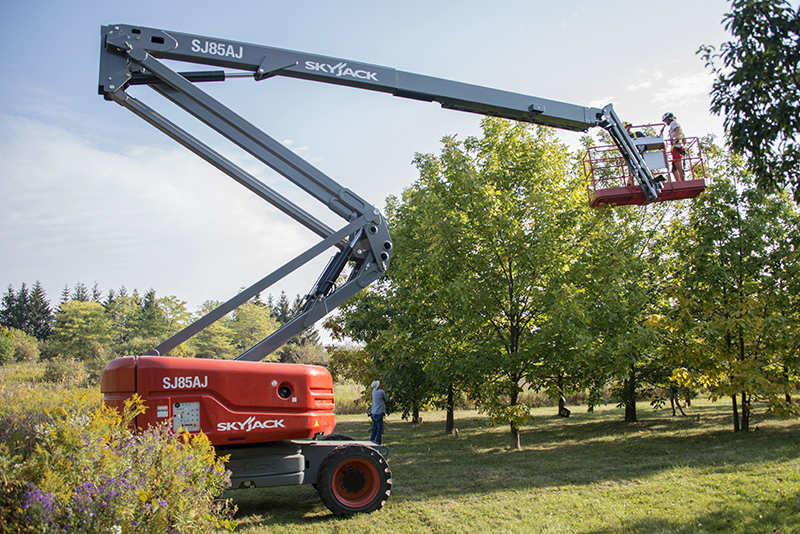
x,y
377,428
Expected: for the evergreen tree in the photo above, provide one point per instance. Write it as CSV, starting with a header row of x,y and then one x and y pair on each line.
x,y
81,293
8,308
65,296
97,295
28,311
282,311
41,314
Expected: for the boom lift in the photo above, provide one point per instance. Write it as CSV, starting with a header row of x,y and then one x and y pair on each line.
x,y
263,414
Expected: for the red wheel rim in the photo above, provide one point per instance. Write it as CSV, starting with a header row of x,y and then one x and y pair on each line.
x,y
351,475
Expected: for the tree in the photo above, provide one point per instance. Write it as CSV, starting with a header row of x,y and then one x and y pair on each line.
x,y
216,341
15,308
623,274
394,350
733,313
174,315
125,314
82,330
28,311
81,293
491,225
757,87
282,311
41,314
251,323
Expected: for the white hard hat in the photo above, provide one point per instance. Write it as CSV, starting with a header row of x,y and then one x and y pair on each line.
x,y
376,384
667,115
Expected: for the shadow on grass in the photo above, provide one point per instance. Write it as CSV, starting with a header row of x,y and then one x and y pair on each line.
x,y
583,450
778,516
587,449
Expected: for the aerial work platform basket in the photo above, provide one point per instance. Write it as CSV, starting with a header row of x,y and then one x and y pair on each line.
x,y
610,180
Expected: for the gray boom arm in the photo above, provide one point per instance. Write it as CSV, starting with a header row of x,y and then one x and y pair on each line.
x,y
130,56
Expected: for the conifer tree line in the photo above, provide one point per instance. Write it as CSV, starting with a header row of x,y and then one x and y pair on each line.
x,y
93,327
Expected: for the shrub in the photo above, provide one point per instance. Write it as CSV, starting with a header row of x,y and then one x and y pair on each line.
x,y
349,399
25,346
90,473
66,371
6,347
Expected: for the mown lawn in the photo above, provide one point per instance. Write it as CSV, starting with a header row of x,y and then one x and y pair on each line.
x,y
590,473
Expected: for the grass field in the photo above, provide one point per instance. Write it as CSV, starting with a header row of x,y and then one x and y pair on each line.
x,y
590,473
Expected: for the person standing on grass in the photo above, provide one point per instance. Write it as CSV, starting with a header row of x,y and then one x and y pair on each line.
x,y
674,393
379,400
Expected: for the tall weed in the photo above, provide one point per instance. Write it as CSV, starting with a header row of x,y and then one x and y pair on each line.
x,y
78,467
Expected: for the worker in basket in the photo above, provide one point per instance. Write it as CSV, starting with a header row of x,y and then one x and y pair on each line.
x,y
676,137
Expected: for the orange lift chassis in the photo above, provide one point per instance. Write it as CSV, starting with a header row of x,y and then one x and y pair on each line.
x,y
276,420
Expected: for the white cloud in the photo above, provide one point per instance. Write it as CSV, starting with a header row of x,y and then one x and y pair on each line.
x,y
685,88
645,80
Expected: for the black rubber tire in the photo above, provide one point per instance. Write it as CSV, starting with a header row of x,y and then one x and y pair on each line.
x,y
354,479
337,437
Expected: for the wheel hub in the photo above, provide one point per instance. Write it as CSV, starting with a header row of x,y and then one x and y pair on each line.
x,y
353,479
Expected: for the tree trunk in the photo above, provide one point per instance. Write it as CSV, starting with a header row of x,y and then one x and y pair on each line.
x,y
745,412
515,442
450,421
786,381
630,412
415,414
562,405
735,414
630,396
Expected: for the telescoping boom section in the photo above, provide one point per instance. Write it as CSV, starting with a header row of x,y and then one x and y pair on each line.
x,y
133,55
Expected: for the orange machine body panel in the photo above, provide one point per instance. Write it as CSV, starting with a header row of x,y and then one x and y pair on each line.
x,y
232,402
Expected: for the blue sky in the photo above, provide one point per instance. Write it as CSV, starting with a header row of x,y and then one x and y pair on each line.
x,y
91,193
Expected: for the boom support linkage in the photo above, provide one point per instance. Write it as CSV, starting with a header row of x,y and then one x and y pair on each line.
x,y
130,56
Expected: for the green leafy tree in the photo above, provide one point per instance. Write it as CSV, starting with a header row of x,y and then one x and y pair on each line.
x,y
495,224
173,316
733,320
82,330
624,277
251,323
393,349
757,88
217,340
126,317
308,354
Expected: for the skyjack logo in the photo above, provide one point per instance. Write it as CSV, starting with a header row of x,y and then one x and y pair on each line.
x,y
341,69
250,424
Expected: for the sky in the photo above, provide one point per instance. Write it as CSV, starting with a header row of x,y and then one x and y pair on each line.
x,y
90,193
